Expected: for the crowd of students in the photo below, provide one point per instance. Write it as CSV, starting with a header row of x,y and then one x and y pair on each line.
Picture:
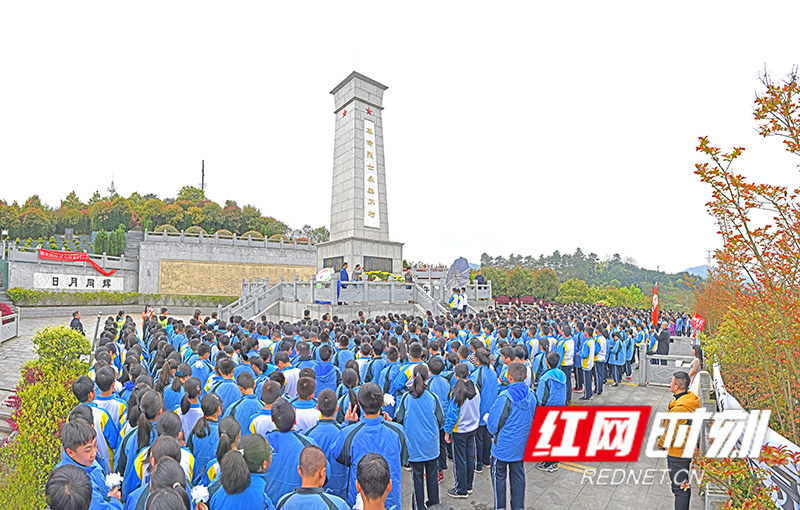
x,y
320,413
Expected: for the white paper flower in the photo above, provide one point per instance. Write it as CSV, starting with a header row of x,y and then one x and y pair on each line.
x,y
198,364
117,386
359,502
199,494
388,400
113,480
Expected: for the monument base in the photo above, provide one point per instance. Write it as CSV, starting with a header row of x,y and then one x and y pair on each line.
x,y
371,254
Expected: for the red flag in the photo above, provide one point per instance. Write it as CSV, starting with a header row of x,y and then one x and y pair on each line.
x,y
655,306
698,323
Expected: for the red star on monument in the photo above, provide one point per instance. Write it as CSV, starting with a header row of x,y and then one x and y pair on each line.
x,y
369,112
344,113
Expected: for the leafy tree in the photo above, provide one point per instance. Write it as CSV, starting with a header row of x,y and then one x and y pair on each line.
x,y
251,218
573,291
9,219
191,194
95,198
315,235
72,202
232,218
120,213
152,211
212,217
34,222
544,284
100,215
34,202
759,336
101,243
518,282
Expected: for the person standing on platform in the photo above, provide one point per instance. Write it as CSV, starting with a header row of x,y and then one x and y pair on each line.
x,y
343,277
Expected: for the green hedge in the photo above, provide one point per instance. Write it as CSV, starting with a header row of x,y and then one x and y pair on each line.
x,y
27,297
42,402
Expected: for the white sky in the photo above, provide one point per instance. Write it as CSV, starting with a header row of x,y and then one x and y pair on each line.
x,y
524,128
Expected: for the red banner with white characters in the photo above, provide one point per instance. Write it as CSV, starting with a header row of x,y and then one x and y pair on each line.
x,y
69,256
655,306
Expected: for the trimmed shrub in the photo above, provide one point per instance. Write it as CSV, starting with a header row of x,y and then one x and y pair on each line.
x,y
223,233
42,402
169,229
254,234
196,230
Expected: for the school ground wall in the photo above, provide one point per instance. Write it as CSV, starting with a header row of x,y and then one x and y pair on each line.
x,y
21,274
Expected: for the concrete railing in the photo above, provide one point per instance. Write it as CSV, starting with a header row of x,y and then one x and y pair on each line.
x,y
9,326
215,239
660,372
258,295
31,255
480,295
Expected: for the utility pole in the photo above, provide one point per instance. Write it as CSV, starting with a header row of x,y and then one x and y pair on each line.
x,y
203,175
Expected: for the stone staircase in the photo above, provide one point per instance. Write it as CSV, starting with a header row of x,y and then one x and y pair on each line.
x,y
4,298
132,241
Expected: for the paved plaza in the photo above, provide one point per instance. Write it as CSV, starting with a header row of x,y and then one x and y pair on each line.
x,y
551,491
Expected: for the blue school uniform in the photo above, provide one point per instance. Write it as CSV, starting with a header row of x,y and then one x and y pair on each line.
x,y
172,398
115,407
227,390
372,369
202,369
539,365
254,497
616,352
341,357
439,386
98,480
127,389
378,436
282,476
328,377
107,433
344,404
188,420
325,433
311,498
178,340
244,367
421,418
204,448
552,389
486,383
243,409
308,362
388,375
260,423
404,378
510,419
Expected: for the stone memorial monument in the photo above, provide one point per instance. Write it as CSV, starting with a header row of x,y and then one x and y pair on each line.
x,y
359,219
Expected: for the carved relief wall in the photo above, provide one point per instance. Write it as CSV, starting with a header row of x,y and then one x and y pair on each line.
x,y
220,278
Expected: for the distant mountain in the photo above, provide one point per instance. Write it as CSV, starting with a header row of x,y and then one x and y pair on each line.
x,y
701,271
